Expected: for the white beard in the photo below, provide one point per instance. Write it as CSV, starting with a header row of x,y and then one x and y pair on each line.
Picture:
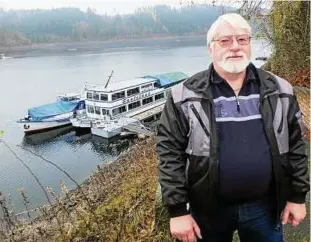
x,y
234,66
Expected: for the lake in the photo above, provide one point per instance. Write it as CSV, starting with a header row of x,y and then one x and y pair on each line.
x,y
36,76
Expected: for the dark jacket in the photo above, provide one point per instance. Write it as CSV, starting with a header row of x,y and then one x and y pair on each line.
x,y
187,144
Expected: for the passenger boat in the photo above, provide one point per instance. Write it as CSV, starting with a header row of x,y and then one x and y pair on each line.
x,y
105,104
53,115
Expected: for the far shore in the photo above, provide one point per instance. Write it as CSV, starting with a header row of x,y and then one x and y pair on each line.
x,y
37,49
10,48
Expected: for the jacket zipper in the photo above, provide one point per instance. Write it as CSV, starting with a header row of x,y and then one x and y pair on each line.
x,y
187,171
197,115
237,103
277,227
281,125
214,155
191,136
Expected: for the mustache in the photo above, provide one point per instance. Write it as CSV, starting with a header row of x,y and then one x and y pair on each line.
x,y
230,55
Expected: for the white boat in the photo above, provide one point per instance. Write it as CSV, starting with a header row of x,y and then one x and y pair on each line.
x,y
105,103
112,128
53,115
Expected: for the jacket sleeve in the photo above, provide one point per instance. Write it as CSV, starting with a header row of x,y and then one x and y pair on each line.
x,y
297,153
171,146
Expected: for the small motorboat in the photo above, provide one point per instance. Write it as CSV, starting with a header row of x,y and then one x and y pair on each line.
x,y
53,115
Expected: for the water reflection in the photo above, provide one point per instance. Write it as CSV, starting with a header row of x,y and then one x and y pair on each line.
x,y
112,146
46,137
104,147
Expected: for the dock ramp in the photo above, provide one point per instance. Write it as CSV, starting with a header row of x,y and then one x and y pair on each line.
x,y
138,128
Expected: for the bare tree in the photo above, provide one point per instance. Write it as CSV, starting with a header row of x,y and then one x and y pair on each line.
x,y
257,11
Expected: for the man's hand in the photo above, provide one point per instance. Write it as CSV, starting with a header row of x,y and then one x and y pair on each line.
x,y
294,213
185,228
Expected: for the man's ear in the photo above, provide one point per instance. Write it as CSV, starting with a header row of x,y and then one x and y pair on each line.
x,y
209,48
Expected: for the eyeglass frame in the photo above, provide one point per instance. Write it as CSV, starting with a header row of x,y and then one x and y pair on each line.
x,y
231,42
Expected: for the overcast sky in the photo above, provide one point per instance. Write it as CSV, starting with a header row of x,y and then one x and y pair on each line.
x,y
102,6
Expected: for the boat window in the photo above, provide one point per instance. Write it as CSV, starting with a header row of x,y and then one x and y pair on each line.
x,y
134,105
103,97
156,85
97,110
68,99
75,98
90,109
118,95
118,110
147,100
133,91
146,87
89,95
105,111
159,96
96,96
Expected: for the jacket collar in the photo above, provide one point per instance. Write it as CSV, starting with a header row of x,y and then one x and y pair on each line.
x,y
215,78
201,81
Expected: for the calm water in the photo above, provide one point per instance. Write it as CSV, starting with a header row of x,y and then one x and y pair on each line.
x,y
38,77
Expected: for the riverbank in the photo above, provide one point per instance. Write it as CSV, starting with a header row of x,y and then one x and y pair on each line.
x,y
117,203
102,45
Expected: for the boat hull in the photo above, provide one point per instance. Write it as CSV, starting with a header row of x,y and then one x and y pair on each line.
x,y
106,133
83,122
31,127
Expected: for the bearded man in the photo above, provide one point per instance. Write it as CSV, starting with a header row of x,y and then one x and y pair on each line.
x,y
231,148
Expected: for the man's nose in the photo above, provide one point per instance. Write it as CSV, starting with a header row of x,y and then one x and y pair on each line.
x,y
235,45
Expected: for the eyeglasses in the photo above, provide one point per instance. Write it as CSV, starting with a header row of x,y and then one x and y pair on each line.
x,y
226,41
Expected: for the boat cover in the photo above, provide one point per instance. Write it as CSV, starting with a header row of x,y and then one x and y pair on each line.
x,y
169,79
49,110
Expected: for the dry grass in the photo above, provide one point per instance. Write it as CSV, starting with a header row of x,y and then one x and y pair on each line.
x,y
122,196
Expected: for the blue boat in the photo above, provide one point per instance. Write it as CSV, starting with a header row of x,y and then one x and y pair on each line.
x,y
53,115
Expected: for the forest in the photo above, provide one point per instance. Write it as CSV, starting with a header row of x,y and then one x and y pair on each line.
x,y
24,27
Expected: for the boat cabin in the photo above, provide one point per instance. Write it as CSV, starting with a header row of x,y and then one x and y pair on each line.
x,y
129,96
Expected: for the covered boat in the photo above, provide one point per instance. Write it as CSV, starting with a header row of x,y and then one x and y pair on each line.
x,y
53,115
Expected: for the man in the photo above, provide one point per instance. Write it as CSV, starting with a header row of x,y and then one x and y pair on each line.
x,y
230,142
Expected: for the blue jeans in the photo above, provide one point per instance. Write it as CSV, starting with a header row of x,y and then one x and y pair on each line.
x,y
254,221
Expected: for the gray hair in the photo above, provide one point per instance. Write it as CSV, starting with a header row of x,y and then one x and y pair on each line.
x,y
234,19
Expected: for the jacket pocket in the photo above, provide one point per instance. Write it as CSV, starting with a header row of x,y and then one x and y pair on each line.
x,y
199,194
197,115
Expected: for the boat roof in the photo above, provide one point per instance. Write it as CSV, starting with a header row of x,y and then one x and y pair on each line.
x,y
116,86
169,79
52,109
164,80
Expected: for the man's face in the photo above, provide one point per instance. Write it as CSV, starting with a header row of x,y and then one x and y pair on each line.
x,y
231,50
